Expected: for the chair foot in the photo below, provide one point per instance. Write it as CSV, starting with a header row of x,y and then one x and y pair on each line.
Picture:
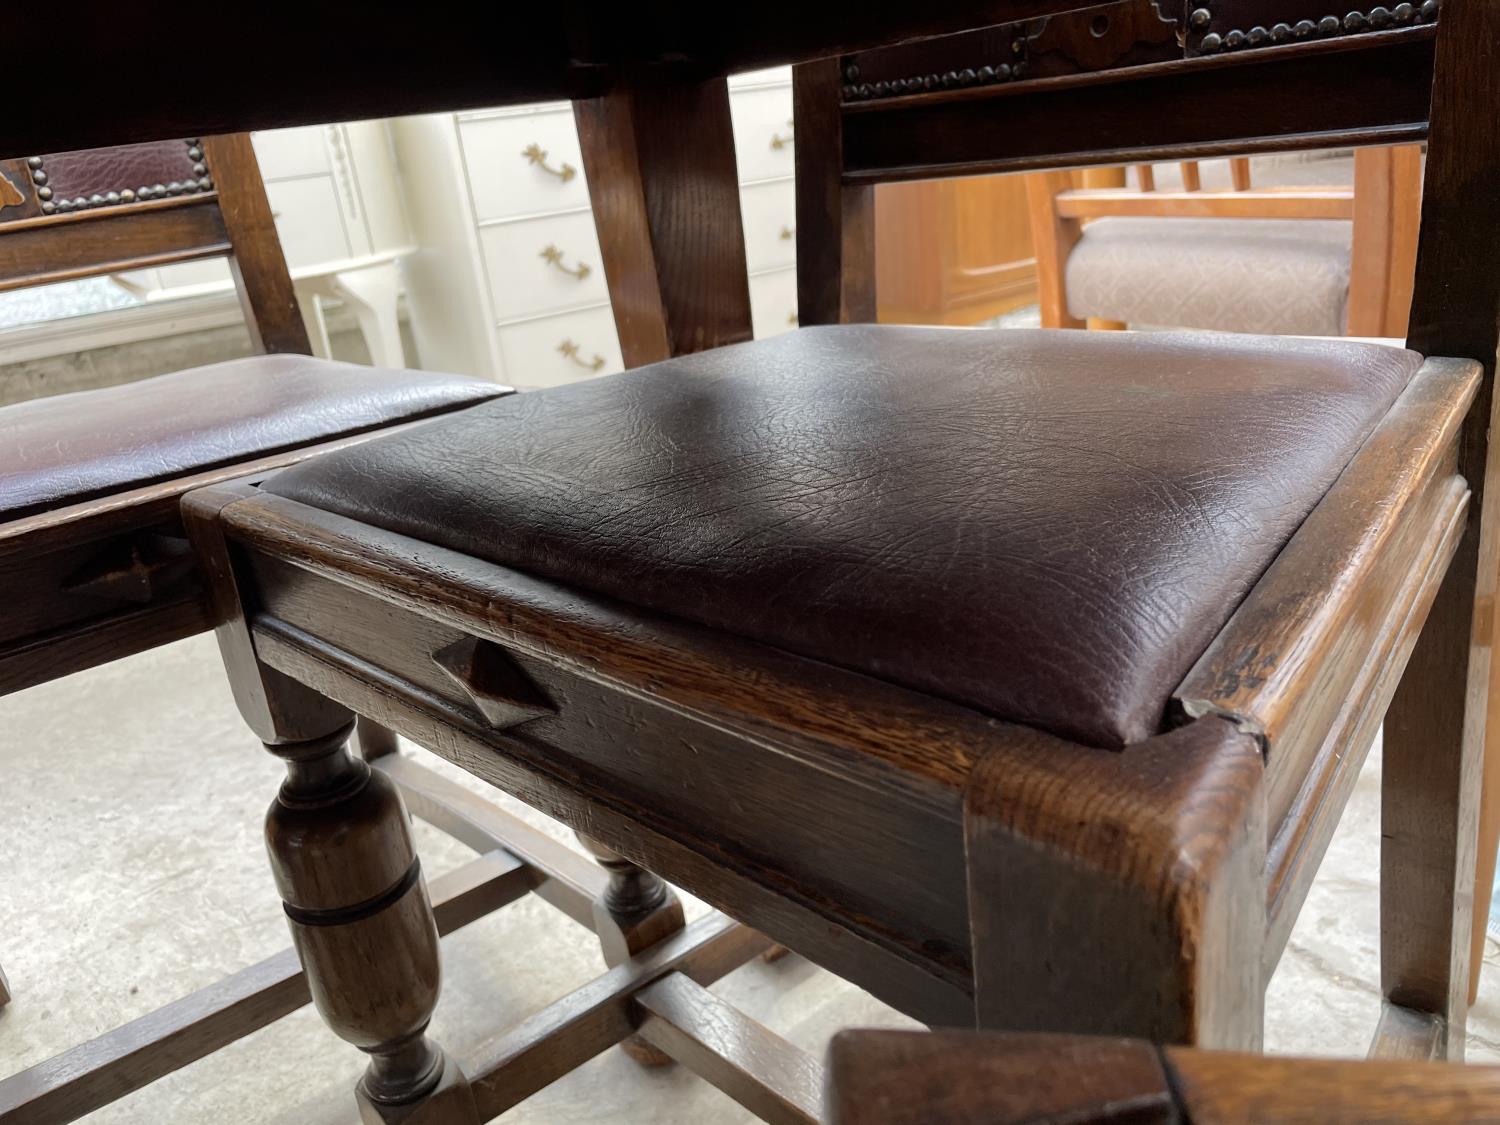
x,y
637,911
449,1102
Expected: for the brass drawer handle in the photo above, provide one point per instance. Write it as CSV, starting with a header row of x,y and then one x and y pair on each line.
x,y
778,142
788,233
571,350
554,257
537,155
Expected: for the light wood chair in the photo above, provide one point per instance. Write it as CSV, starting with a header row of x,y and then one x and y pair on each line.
x,y
756,639
1382,204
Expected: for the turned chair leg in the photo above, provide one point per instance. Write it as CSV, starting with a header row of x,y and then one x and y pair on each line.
x,y
341,851
637,911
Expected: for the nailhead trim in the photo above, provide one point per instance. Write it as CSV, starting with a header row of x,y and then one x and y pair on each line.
x,y
51,206
993,74
1353,23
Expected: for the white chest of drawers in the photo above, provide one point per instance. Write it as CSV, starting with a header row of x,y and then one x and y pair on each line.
x,y
339,214
507,282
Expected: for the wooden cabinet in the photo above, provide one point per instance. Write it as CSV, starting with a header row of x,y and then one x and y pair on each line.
x,y
954,251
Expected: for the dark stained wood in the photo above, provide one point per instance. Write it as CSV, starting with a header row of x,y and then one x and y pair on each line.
x,y
959,1078
1434,731
477,55
49,249
93,1074
662,177
565,1035
1105,891
1309,671
756,1067
1151,867
348,874
636,911
1250,1090
1354,90
256,261
277,709
48,631
962,1078
835,223
755,893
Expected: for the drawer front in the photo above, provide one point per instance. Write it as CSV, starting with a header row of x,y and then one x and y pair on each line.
x,y
309,221
763,132
283,153
543,265
770,214
528,164
561,349
773,303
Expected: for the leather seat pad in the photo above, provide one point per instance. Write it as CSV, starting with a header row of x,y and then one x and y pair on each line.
x,y
1047,526
68,448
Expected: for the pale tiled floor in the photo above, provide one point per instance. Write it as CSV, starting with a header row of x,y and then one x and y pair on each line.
x,y
130,808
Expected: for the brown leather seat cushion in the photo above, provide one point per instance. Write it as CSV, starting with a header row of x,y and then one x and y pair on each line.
x,y
67,448
1047,526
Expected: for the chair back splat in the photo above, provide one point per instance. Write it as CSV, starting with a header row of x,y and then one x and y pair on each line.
x,y
89,213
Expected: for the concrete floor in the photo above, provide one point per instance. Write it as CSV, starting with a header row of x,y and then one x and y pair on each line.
x,y
130,813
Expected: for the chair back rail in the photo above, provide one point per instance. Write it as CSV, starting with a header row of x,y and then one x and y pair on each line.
x,y
213,205
1360,90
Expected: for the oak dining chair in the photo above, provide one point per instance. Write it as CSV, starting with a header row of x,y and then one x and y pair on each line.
x,y
1019,677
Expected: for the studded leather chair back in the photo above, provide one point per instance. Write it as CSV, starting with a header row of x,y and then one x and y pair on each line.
x,y
68,215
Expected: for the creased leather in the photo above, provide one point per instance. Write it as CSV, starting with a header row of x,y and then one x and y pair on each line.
x,y
95,171
67,448
1047,526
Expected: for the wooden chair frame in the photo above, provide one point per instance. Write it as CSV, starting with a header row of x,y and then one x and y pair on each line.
x,y
1197,108
231,219
1382,204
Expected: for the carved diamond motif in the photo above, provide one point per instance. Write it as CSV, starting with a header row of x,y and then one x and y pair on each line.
x,y
138,570
498,687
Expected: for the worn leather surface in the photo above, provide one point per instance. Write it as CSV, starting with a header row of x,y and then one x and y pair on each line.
x,y
67,448
1047,526
94,171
